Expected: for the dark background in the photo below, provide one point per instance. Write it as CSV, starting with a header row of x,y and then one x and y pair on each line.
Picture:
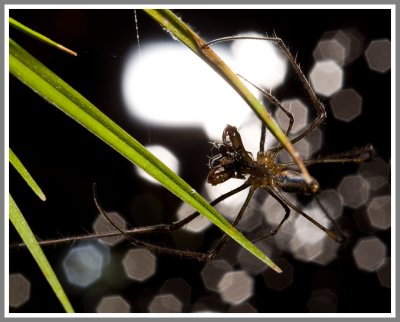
x,y
65,159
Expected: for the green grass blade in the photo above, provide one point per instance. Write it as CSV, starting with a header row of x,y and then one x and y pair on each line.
x,y
22,227
17,164
52,88
168,20
17,25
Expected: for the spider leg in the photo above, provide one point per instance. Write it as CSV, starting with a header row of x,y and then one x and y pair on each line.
x,y
316,104
162,228
222,241
275,102
330,233
175,226
357,155
285,217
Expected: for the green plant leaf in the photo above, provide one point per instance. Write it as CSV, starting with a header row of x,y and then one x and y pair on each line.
x,y
52,88
17,164
22,227
173,24
17,25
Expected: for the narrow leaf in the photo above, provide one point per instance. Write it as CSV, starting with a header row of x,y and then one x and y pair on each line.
x,y
17,25
22,227
17,164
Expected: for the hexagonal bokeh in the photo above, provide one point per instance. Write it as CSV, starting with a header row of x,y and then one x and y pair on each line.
x,y
83,264
376,172
213,272
346,105
326,77
300,115
102,225
236,287
139,264
343,46
20,289
378,55
379,212
278,282
354,190
330,49
113,304
165,303
369,253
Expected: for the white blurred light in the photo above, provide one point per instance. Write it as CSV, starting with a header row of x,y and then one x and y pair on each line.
x,y
236,287
83,264
326,77
259,61
168,84
198,224
165,156
230,207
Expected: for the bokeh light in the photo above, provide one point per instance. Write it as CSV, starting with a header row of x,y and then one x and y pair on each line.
x,y
376,172
271,67
139,264
213,272
102,225
369,253
378,55
165,156
354,190
197,225
165,303
299,112
326,77
379,212
346,105
20,290
83,264
236,287
113,304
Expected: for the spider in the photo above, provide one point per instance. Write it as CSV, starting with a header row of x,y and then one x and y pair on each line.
x,y
263,172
